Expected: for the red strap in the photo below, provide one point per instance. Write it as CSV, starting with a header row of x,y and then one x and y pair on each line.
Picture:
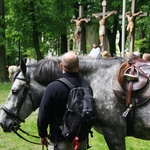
x,y
75,143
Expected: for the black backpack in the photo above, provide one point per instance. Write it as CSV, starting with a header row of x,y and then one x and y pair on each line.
x,y
80,113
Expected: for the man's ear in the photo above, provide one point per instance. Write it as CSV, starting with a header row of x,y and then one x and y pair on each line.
x,y
61,65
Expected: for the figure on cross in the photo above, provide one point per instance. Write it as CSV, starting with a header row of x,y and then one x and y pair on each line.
x,y
102,26
130,18
78,27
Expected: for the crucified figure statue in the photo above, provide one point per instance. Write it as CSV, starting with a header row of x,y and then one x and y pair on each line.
x,y
102,26
78,27
130,18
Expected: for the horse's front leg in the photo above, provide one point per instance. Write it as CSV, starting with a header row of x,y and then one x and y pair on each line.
x,y
115,138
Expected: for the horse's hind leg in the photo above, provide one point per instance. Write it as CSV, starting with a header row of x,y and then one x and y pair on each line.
x,y
114,139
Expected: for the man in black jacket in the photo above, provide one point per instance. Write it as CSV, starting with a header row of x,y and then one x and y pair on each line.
x,y
53,106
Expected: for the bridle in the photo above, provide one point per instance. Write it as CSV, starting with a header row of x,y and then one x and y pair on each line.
x,y
15,126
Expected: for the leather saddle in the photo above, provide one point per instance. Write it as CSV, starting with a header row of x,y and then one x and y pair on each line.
x,y
133,75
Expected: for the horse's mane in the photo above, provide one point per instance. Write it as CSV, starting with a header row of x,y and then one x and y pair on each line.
x,y
46,70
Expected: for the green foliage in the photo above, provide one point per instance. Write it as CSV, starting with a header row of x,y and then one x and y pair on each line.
x,y
52,19
142,43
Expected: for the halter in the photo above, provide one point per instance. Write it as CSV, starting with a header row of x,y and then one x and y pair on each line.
x,y
26,90
15,125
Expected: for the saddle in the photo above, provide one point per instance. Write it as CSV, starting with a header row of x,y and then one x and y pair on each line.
x,y
133,75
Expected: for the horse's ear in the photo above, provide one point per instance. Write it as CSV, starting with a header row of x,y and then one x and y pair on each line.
x,y
23,66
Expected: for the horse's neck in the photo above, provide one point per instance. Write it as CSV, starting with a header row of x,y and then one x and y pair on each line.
x,y
37,91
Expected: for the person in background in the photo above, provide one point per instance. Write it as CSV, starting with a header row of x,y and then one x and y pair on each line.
x,y
53,106
146,56
105,54
95,52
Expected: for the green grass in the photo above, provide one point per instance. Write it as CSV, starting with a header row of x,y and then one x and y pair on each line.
x,y
9,141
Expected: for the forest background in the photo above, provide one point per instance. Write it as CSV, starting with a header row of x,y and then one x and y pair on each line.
x,y
32,28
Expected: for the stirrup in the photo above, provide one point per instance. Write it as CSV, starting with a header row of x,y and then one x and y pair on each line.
x,y
131,77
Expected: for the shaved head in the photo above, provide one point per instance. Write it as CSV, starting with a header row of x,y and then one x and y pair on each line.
x,y
70,62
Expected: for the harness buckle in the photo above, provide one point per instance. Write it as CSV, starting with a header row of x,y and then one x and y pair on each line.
x,y
127,110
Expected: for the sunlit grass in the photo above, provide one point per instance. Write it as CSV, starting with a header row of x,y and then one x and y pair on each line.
x,y
9,141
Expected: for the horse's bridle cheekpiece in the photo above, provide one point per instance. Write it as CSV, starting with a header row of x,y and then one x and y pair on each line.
x,y
15,126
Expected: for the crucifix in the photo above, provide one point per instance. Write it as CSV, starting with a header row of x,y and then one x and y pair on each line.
x,y
79,27
131,16
102,23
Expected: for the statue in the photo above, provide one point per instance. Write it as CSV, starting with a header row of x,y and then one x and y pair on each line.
x,y
78,27
130,19
102,26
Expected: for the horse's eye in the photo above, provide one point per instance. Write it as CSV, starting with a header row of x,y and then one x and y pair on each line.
x,y
14,91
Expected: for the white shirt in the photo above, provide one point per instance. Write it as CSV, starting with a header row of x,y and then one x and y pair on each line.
x,y
95,52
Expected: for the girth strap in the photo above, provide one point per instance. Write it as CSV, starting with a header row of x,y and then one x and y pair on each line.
x,y
129,92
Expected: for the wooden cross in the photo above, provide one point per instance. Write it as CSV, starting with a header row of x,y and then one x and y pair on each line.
x,y
102,23
79,34
131,23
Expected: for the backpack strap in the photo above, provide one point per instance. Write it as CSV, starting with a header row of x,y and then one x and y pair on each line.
x,y
66,82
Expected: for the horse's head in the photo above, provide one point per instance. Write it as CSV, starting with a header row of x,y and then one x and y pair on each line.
x,y
23,99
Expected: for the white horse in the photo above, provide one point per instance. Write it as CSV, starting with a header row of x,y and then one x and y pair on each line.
x,y
30,83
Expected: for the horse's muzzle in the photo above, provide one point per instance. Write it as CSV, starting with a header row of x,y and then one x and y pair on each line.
x,y
11,127
4,129
8,124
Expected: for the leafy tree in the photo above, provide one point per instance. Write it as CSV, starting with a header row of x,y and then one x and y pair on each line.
x,y
2,43
34,27
47,20
23,15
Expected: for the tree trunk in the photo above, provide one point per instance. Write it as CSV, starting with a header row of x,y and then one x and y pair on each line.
x,y
112,37
2,46
142,35
35,34
63,43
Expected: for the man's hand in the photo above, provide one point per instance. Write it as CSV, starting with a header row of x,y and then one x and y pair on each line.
x,y
44,141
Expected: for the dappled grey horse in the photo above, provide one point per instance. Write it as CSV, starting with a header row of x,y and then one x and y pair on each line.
x,y
30,83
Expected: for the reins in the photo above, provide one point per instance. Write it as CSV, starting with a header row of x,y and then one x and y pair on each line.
x,y
118,58
28,133
20,136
